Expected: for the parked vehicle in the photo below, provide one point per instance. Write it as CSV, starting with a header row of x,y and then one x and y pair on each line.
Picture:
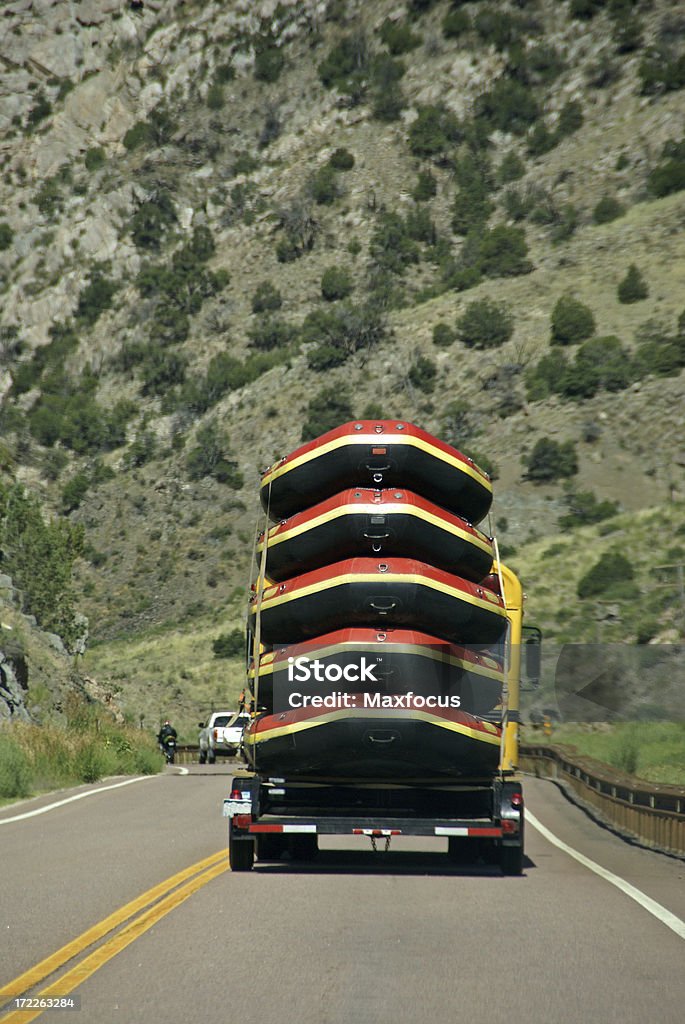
x,y
222,734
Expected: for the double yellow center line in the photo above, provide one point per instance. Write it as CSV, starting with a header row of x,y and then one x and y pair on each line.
x,y
141,913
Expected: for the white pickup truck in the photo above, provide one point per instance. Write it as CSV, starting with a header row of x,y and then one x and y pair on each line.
x,y
222,734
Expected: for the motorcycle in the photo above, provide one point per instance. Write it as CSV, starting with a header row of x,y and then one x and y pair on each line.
x,y
168,748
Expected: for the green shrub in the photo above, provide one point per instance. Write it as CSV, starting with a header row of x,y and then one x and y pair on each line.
x,y
611,569
551,461
137,135
341,159
669,176
585,9
336,283
541,140
660,72
433,133
6,236
224,73
95,298
346,67
39,554
74,491
426,187
152,220
398,37
601,363
508,106
422,374
42,108
570,119
388,100
324,186
485,324
391,248
633,287
95,158
544,63
15,772
162,370
472,205
215,96
500,28
628,34
267,298
443,335
663,358
607,209
326,410
455,24
511,168
325,357
565,223
211,456
229,645
269,60
345,328
270,333
572,321
502,252
584,508
141,450
518,202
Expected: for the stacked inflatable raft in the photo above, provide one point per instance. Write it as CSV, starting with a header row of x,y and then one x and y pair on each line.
x,y
377,613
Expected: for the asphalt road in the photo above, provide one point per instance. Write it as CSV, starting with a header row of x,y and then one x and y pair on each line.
x,y
356,937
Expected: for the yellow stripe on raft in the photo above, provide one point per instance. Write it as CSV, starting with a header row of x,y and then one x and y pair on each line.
x,y
489,600
491,734
378,439
351,509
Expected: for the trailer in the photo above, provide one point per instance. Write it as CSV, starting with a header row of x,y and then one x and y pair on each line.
x,y
479,815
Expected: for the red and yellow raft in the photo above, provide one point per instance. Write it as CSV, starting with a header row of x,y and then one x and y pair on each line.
x,y
379,454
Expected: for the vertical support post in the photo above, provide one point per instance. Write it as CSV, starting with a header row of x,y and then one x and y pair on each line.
x,y
513,596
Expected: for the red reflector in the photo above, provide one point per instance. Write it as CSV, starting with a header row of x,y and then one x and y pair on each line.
x,y
236,794
517,800
509,826
379,451
242,820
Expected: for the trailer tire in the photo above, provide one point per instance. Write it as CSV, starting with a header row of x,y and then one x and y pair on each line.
x,y
240,853
511,859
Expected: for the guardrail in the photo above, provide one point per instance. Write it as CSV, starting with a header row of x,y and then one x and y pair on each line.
x,y
651,813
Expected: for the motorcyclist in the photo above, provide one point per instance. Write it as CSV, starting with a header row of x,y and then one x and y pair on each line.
x,y
166,733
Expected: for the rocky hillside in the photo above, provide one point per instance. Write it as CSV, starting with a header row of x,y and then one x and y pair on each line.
x,y
227,226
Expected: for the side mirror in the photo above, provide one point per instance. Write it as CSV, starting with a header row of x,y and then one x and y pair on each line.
x,y
200,725
531,638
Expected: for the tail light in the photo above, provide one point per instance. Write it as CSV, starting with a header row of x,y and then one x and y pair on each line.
x,y
517,800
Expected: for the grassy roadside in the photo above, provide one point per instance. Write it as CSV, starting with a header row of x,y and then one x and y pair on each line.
x,y
40,758
653,751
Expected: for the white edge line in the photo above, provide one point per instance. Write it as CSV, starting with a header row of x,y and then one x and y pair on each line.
x,y
661,913
70,799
